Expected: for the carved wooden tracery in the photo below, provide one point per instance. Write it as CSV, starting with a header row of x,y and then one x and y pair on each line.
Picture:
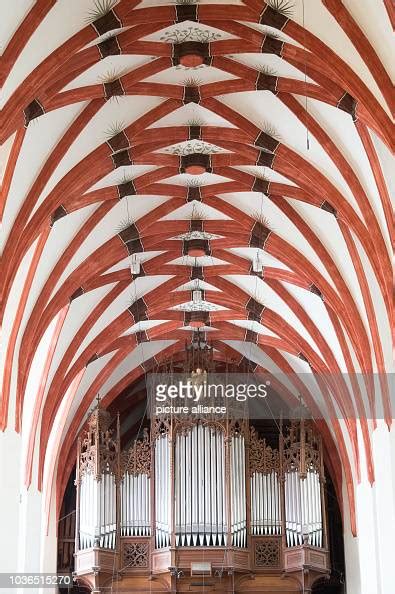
x,y
263,458
135,554
137,459
98,449
302,449
267,553
159,427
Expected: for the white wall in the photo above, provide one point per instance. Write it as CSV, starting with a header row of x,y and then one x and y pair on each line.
x,y
370,556
24,545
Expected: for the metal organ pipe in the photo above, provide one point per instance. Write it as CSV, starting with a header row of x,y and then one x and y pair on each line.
x,y
188,514
135,510
303,509
221,500
213,506
285,490
199,487
97,521
299,508
238,492
194,490
97,470
87,512
265,504
162,492
106,511
302,455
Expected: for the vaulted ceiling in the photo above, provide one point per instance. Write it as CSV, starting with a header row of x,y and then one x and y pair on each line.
x,y
150,148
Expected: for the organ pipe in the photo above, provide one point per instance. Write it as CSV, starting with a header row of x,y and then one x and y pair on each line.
x,y
265,487
97,475
135,488
238,501
304,517
303,485
162,490
199,486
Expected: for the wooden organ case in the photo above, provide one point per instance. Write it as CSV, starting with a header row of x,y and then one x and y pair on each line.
x,y
200,506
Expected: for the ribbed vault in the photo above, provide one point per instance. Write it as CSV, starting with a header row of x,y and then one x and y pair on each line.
x,y
194,138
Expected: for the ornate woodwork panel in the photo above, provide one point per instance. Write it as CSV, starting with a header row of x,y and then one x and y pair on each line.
x,y
267,553
263,458
137,460
135,554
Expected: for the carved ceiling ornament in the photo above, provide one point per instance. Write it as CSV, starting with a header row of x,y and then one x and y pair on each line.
x,y
190,33
193,146
197,306
263,458
197,235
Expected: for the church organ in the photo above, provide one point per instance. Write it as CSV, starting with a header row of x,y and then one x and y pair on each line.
x,y
209,490
207,500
